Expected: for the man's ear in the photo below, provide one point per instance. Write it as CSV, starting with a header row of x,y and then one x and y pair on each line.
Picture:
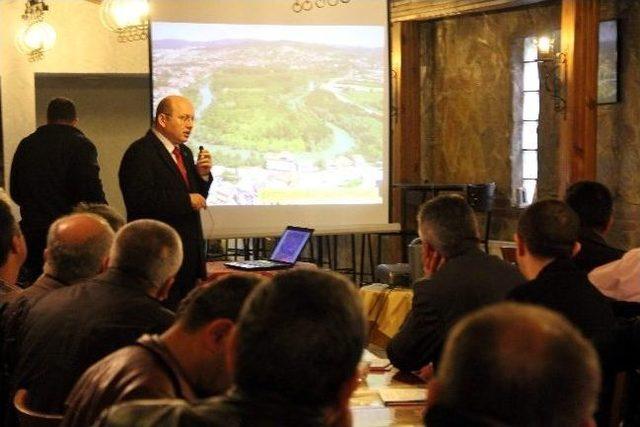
x,y
232,346
104,264
163,291
161,120
217,332
520,246
19,246
434,392
608,226
576,248
46,254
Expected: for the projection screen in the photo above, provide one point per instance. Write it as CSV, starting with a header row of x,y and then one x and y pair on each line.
x,y
292,100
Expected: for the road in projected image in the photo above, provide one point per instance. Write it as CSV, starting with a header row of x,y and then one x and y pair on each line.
x,y
293,115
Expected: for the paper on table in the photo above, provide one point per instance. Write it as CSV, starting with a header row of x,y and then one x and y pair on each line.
x,y
403,396
375,363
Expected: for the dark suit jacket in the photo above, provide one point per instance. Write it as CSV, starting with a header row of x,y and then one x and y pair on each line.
x,y
464,283
563,287
53,169
71,328
153,188
594,251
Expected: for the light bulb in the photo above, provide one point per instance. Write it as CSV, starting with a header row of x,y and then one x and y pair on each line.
x,y
544,45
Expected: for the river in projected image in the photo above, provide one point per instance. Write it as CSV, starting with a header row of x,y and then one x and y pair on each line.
x,y
293,115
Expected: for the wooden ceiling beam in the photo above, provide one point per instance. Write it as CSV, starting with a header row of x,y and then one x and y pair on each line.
x,y
422,10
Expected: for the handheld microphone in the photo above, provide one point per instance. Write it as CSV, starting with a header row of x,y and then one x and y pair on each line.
x,y
200,150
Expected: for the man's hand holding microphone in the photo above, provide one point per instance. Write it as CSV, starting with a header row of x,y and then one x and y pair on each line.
x,y
203,166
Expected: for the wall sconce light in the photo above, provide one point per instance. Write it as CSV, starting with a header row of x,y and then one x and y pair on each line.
x,y
36,36
553,63
127,18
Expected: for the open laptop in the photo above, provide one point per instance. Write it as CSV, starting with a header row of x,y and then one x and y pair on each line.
x,y
284,255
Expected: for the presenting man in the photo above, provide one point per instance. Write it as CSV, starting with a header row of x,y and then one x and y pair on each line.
x,y
54,169
160,180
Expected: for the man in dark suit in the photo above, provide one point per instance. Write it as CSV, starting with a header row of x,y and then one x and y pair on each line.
x,y
71,328
460,279
53,169
546,239
593,203
160,180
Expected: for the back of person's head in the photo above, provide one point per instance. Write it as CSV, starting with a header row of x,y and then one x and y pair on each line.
x,y
148,249
115,220
9,228
549,229
221,299
447,223
300,337
519,365
61,110
77,247
593,203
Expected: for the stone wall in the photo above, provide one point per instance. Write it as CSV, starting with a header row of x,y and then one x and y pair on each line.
x,y
468,72
619,129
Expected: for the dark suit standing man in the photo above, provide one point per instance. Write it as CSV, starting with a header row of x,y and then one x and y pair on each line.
x,y
53,169
160,180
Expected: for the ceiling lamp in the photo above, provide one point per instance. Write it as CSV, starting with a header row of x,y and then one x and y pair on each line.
x,y
127,18
36,36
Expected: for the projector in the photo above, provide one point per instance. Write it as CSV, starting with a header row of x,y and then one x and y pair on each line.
x,y
394,274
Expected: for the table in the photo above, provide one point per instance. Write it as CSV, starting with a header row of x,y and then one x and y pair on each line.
x,y
217,269
368,410
385,309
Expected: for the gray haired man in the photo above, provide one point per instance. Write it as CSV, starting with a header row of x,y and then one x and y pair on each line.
x,y
459,278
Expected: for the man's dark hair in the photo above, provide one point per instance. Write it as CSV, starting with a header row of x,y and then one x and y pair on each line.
x,y
61,110
300,337
8,228
592,202
549,229
447,223
519,365
221,299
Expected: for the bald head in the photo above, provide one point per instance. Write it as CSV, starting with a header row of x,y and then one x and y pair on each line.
x,y
519,365
174,118
77,247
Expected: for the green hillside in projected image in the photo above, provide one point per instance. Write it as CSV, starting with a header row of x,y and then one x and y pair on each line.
x,y
290,114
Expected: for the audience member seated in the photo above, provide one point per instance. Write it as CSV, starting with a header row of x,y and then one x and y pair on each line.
x,y
71,328
514,365
294,355
459,278
593,203
13,251
77,248
106,212
186,362
546,240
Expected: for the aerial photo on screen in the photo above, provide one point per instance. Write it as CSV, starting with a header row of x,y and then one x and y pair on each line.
x,y
293,115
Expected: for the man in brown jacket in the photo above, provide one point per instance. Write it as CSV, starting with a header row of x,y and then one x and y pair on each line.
x,y
185,362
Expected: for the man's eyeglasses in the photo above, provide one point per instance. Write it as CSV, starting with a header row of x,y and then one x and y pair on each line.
x,y
184,118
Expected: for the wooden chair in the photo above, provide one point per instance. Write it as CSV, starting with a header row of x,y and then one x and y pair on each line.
x,y
30,418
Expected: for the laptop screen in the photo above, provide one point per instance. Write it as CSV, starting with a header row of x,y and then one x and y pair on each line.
x,y
291,244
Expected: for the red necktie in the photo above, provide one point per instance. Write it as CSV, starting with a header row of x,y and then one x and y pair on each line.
x,y
180,163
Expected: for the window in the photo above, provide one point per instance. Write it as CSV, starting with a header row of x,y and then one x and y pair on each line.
x,y
527,141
